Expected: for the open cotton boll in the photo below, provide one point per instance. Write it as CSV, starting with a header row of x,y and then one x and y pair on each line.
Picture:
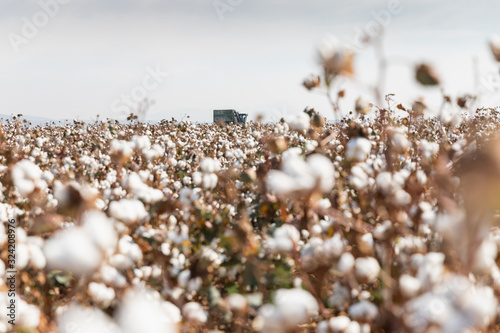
x,y
127,211
209,165
480,304
384,182
284,239
366,269
193,312
296,306
26,176
358,179
299,122
322,168
133,183
409,286
29,315
100,294
430,269
486,257
237,303
353,327
127,247
197,178
363,311
72,250
112,277
294,166
358,149
427,309
77,318
101,229
141,142
292,307
339,324
399,140
333,246
401,197
280,183
142,310
297,175
209,181
345,263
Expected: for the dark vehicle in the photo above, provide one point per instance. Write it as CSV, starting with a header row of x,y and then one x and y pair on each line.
x,y
230,116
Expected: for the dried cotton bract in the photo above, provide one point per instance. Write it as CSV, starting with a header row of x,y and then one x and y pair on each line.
x,y
336,58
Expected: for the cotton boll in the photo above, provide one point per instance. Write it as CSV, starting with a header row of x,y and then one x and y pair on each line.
x,y
143,311
366,269
333,247
237,303
72,250
427,309
485,257
345,263
296,306
127,247
340,296
26,176
381,231
284,239
353,327
401,197
209,165
335,57
409,286
141,142
197,178
29,315
431,269
421,177
80,319
193,312
100,294
322,169
23,255
400,142
299,122
384,183
36,256
363,311
209,181
366,242
324,203
339,324
120,261
322,327
358,149
101,230
112,277
480,305
127,211
359,178
280,183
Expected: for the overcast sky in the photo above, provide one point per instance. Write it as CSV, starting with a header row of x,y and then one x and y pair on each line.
x,y
250,55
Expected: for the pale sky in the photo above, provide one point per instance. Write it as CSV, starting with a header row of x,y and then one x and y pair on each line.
x,y
253,57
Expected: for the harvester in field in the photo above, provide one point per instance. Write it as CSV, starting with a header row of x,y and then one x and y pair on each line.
x,y
230,116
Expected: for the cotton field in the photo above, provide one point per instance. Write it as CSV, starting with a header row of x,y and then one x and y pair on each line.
x,y
387,220
365,225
